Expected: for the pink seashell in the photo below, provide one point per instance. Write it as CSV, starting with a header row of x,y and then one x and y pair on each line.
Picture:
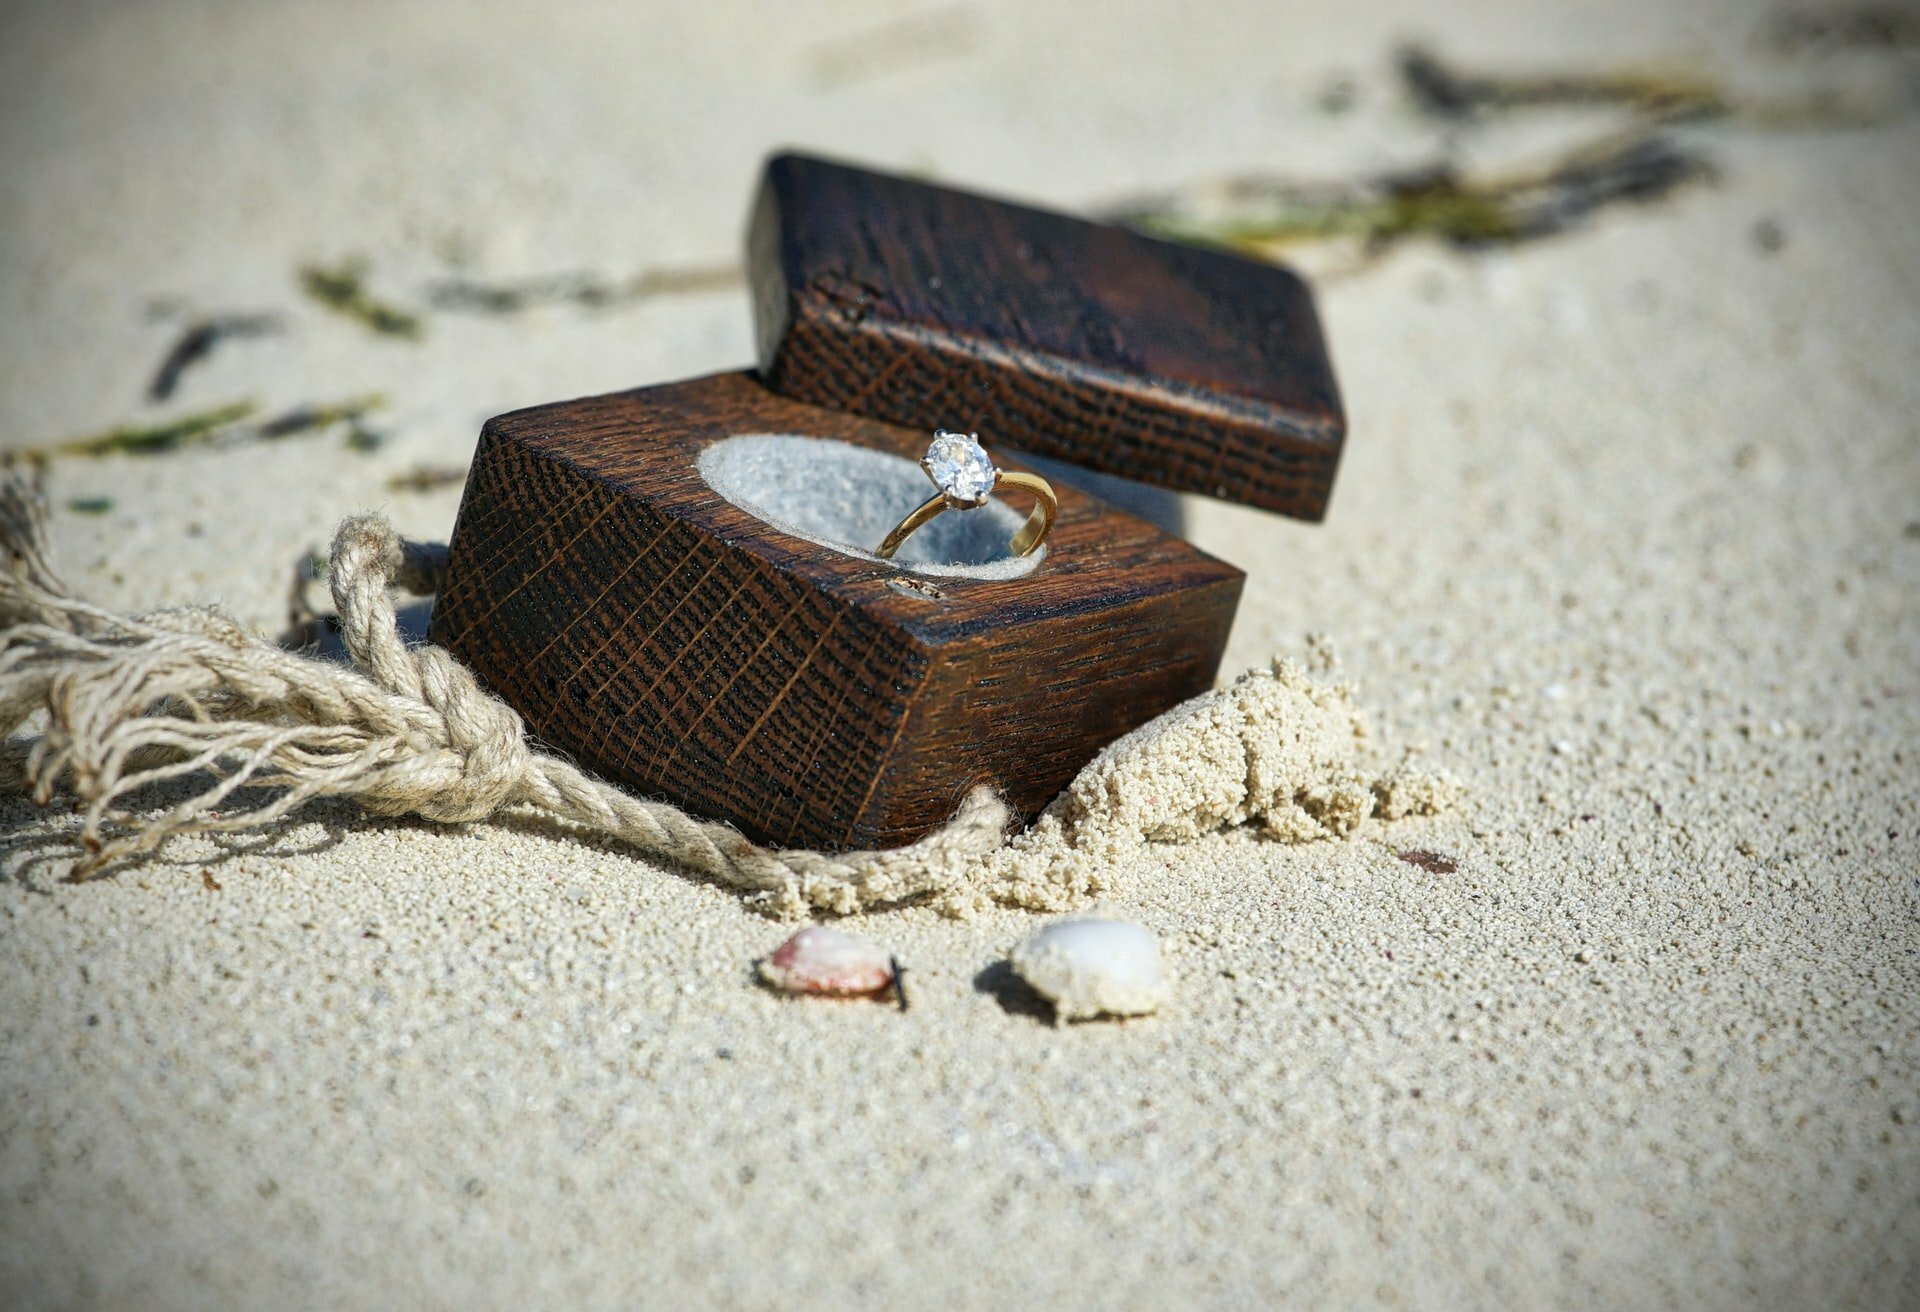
x,y
822,960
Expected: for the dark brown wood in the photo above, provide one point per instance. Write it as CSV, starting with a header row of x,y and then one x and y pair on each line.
x,y
681,646
1191,369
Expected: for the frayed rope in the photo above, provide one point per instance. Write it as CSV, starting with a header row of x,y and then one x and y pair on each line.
x,y
137,700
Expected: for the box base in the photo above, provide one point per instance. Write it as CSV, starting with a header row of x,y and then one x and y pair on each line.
x,y
685,647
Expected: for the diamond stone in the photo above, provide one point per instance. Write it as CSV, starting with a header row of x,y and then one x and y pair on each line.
x,y
958,467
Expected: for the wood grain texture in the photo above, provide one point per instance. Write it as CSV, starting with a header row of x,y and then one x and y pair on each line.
x,y
683,647
1168,364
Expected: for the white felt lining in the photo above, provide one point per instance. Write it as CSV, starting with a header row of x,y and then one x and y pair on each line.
x,y
846,498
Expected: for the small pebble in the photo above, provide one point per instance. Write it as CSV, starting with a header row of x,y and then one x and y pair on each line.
x,y
1094,968
822,960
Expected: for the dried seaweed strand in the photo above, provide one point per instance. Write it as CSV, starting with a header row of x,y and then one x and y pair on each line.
x,y
427,478
224,425
1254,215
589,290
1440,89
156,439
342,289
198,341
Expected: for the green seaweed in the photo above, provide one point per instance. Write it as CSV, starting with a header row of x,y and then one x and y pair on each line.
x,y
229,425
591,290
1660,96
342,289
306,418
1441,90
1439,202
1256,215
427,478
200,426
90,505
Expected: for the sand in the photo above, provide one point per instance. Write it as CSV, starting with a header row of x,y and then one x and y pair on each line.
x,y
1627,540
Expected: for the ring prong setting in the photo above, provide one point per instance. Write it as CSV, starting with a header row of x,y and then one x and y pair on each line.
x,y
957,465
954,502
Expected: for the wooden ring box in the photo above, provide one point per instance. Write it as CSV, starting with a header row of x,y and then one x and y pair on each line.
x,y
681,644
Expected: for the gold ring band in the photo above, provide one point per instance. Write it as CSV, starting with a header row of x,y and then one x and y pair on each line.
x,y
966,478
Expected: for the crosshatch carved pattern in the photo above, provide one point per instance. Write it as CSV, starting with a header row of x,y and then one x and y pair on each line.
x,y
677,644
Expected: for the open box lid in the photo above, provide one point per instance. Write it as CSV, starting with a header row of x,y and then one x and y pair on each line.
x,y
929,307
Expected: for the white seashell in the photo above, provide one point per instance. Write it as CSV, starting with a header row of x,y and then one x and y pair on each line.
x,y
1094,968
822,960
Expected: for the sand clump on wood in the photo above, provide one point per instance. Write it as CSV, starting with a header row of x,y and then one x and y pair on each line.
x,y
1285,748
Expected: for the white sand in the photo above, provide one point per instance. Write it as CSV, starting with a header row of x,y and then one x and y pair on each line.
x,y
1625,539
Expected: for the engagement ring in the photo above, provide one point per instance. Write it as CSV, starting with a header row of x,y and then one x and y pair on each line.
x,y
966,478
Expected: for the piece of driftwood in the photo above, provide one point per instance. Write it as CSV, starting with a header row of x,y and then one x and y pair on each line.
x,y
1165,363
682,646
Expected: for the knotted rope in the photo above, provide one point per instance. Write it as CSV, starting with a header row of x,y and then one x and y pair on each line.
x,y
138,700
